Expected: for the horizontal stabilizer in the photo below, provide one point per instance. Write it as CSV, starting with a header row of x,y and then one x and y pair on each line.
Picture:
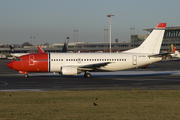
x,y
159,55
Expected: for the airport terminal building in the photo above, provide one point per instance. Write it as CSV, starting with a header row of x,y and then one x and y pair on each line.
x,y
171,36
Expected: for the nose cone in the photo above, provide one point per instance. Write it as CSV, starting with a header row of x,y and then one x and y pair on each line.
x,y
10,65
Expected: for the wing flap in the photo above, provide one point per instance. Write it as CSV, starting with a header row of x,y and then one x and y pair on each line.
x,y
98,65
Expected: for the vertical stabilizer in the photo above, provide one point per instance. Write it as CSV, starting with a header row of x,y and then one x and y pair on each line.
x,y
174,50
12,50
152,43
65,45
40,49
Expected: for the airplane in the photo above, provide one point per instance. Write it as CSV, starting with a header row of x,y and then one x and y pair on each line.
x,y
64,49
175,52
14,53
76,63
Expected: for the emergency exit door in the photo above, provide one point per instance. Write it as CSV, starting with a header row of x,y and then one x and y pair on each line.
x,y
134,59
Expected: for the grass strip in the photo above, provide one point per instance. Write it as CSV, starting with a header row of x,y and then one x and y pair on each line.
x,y
91,105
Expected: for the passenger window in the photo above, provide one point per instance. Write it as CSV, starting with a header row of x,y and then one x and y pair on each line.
x,y
66,59
84,59
61,59
36,59
56,59
92,59
51,59
81,59
97,59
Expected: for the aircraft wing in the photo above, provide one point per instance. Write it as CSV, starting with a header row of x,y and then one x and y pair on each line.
x,y
159,55
93,66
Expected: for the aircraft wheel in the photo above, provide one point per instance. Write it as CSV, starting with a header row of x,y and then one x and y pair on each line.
x,y
87,75
26,75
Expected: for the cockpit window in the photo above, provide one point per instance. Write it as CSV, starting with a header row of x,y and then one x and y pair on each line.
x,y
18,59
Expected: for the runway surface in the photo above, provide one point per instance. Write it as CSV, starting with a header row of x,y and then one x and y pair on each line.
x,y
157,76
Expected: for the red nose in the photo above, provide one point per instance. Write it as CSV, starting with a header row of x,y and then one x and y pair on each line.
x,y
10,65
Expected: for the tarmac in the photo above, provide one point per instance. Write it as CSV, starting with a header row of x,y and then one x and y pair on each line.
x,y
157,76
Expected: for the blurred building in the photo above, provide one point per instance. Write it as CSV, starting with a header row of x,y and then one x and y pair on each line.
x,y
171,36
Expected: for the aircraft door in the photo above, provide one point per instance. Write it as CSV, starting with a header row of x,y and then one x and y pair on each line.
x,y
134,59
31,60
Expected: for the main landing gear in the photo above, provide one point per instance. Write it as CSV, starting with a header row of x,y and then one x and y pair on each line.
x,y
87,74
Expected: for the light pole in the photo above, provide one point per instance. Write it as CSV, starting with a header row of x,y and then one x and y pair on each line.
x,y
31,40
105,37
34,40
75,37
132,35
110,32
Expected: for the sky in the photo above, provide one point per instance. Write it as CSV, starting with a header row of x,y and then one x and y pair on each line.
x,y
53,20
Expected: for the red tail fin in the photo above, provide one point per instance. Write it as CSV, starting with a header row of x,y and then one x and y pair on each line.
x,y
174,48
40,49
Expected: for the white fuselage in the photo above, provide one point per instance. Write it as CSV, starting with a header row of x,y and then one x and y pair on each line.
x,y
18,54
175,55
118,61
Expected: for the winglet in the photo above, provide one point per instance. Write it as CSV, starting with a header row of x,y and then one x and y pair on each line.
x,y
161,25
40,49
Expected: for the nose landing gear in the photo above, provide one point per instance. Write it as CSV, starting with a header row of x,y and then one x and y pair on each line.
x,y
26,75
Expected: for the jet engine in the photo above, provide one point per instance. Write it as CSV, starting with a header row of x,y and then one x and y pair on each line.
x,y
65,70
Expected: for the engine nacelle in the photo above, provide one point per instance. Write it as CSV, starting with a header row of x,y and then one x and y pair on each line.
x,y
69,70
